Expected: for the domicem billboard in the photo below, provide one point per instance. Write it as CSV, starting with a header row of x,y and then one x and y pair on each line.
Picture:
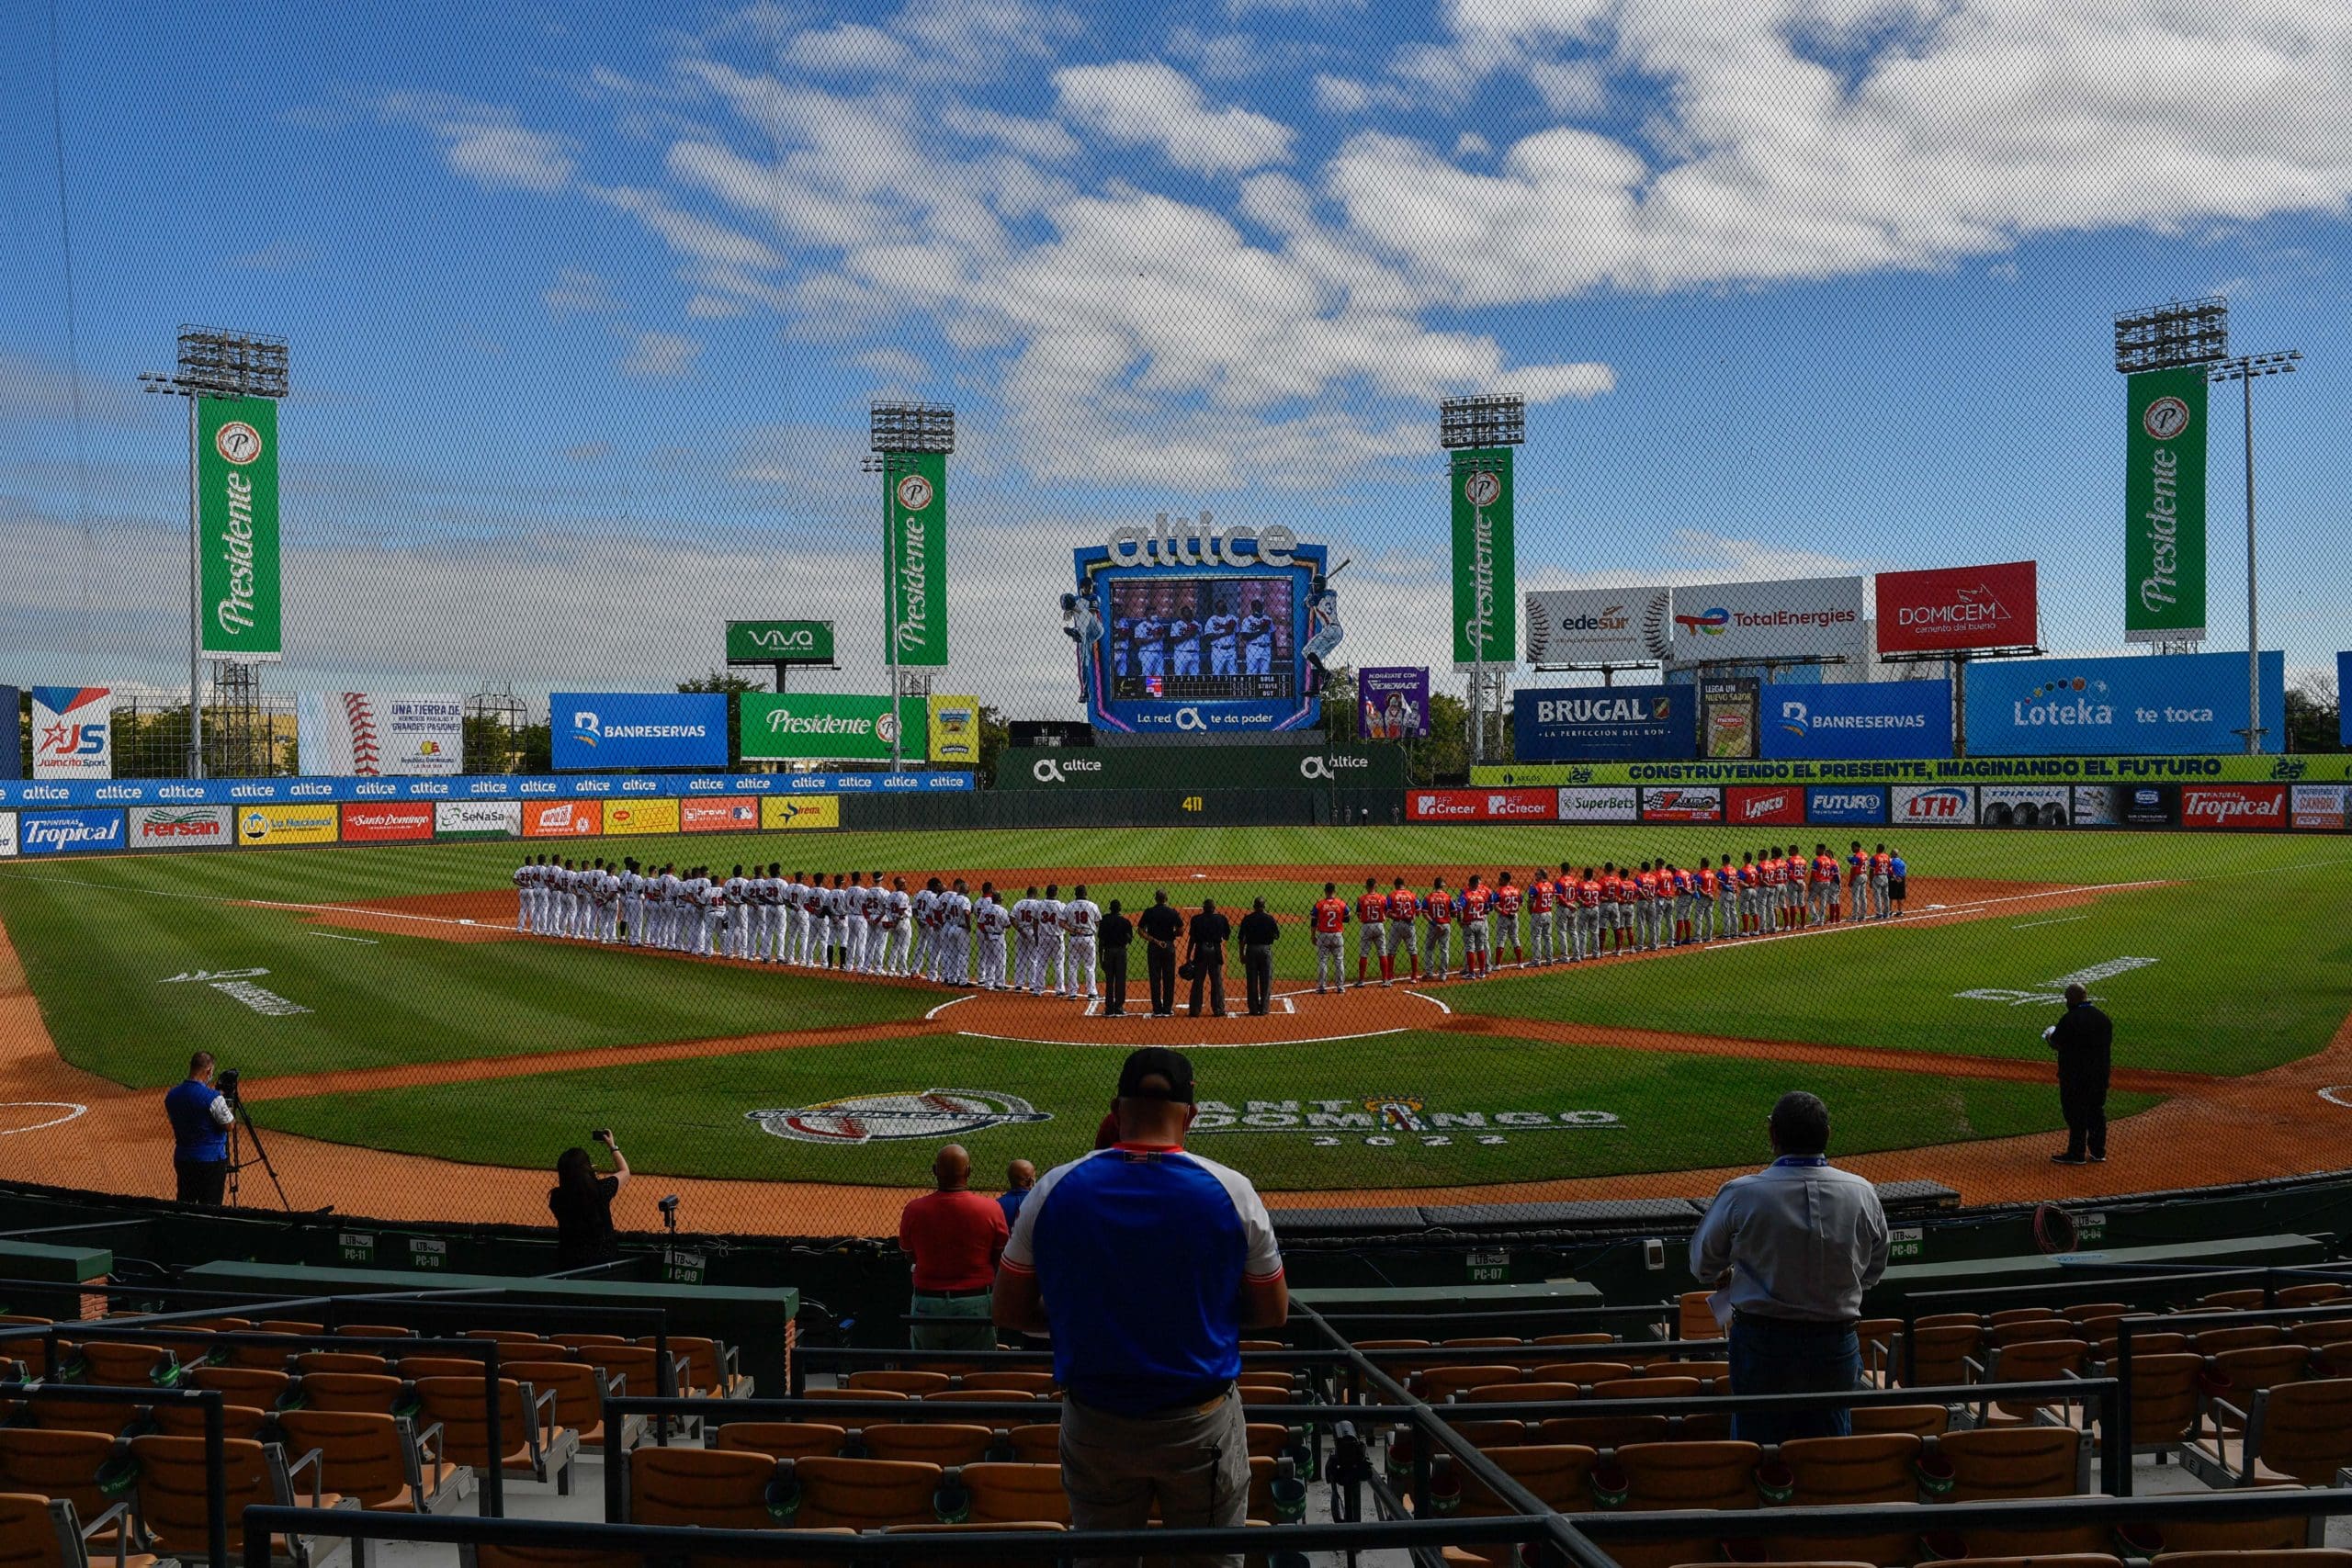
x,y
1955,609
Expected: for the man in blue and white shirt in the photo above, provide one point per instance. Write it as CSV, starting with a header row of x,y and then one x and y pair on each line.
x,y
1802,1241
1147,1262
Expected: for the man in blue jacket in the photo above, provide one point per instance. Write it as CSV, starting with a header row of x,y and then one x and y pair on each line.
x,y
201,1117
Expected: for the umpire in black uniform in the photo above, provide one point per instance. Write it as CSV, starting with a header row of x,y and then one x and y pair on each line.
x,y
1259,932
1117,935
2083,1040
1210,932
1160,926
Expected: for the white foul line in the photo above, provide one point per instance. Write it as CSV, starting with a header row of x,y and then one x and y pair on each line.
x,y
2067,920
1196,1045
337,936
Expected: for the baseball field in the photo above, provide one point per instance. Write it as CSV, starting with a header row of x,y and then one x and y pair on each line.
x,y
380,999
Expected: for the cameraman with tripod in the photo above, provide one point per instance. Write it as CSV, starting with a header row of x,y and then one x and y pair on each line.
x,y
201,1117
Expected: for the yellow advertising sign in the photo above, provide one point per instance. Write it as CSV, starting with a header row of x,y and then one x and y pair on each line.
x,y
636,816
288,824
955,731
800,811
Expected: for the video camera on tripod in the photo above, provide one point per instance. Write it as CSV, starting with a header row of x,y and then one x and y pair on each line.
x,y
228,1083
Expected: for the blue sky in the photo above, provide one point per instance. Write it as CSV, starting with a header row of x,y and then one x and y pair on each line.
x,y
586,309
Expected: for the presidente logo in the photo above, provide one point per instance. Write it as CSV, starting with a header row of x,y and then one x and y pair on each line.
x,y
894,1118
1382,1121
2167,418
883,727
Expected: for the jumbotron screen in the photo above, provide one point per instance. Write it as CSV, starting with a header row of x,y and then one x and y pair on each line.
x,y
1192,639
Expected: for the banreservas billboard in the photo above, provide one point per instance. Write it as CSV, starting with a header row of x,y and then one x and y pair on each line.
x,y
2139,705
1858,719
638,730
1959,609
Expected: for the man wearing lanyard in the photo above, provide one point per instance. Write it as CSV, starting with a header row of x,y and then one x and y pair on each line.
x,y
1800,1240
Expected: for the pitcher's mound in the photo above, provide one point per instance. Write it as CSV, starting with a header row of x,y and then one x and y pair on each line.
x,y
1297,1017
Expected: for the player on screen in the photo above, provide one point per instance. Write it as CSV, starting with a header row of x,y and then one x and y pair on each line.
x,y
1184,638
1257,641
1323,632
1219,631
1152,645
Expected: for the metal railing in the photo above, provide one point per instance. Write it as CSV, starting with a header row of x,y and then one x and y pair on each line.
x,y
211,1402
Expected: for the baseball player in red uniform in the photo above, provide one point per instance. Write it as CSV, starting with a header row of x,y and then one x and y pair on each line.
x,y
1508,896
1404,910
1437,946
1542,899
1329,918
1372,915
1477,939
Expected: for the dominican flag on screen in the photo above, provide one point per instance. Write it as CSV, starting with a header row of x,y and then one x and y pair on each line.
x,y
1152,685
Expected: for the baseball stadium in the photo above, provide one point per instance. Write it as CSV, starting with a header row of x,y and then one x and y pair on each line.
x,y
937,551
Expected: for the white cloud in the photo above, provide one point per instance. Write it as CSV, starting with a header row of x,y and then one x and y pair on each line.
x,y
660,357
484,143
1140,103
847,47
1043,140
578,291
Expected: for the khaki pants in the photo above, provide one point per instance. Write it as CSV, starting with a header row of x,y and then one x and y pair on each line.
x,y
1194,1462
979,1334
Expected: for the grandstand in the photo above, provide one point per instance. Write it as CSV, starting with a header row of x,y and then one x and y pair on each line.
x,y
209,1391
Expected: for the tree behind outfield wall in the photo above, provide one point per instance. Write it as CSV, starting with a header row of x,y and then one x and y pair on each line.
x,y
2314,712
734,685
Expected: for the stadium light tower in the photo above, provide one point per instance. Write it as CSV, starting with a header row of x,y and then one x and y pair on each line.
x,y
1466,426
897,432
212,364
2244,369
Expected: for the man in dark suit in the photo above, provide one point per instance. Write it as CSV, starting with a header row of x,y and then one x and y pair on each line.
x,y
1259,932
2083,1040
1209,933
1118,935
1159,927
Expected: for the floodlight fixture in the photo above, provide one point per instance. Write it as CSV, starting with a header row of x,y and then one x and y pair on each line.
x,y
2176,332
912,427
1490,419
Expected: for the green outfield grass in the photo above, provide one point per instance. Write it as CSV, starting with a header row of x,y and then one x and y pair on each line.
x,y
2253,968
1670,1112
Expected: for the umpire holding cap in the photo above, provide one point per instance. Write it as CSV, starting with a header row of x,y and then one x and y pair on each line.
x,y
1159,927
2084,1038
1147,1262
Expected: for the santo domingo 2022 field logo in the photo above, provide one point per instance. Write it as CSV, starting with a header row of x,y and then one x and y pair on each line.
x,y
881,1118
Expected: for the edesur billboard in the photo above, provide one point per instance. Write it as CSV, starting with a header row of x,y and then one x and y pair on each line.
x,y
1956,609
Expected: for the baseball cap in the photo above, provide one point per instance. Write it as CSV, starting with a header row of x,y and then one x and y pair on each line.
x,y
1156,1061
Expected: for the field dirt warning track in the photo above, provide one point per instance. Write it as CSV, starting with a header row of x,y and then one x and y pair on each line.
x,y
64,1127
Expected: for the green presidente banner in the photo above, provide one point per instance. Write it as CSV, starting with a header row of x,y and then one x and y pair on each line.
x,y
1486,598
236,484
798,729
915,506
2164,502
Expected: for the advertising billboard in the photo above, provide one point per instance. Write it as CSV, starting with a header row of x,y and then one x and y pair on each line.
x,y
380,734
8,833
638,730
2134,705
385,822
780,642
805,726
236,481
1764,805
1598,625
2317,807
2023,806
562,819
1209,767
72,732
914,512
179,827
1393,703
1858,720
2343,707
2164,506
1730,713
1481,804
69,832
1603,723
2261,806
12,762
955,731
319,824
1486,560
1598,802
1695,802
735,814
1933,806
1957,609
639,817
479,818
1740,623
2124,806
801,812
1845,806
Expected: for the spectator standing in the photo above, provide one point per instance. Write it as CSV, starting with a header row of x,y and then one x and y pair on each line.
x,y
1147,1262
1019,1178
582,1201
1210,932
1118,935
201,1117
1259,931
2084,1038
1802,1241
1160,926
953,1236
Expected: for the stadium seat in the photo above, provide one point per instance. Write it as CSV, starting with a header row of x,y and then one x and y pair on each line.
x,y
636,1368
247,1385
1941,1357
291,1326
1039,1443
1583,1373
2108,1345
781,1439
1695,1319
1440,1383
2289,1431
2054,1559
915,1383
1822,1473
1648,1388
711,1367
2308,1557
47,1532
1919,1420
971,1395
1560,1474
1483,1342
2230,1301
176,1507
2081,1314
2006,1462
376,1392
2028,1361
2007,1315
185,1420
2279,1532
1605,1432
865,1494
580,1392
940,1443
718,1488
967,1527
1009,1383
1005,1493
2234,1377
2308,1294
415,1367
538,1446
1716,1372
382,1460
373,1331
2164,1401
582,1341
2246,1336
2028,1330
2332,1331
116,1363
1574,1339
1267,1395
505,1337
857,1394
310,1361
1669,1476
31,1349
1522,1393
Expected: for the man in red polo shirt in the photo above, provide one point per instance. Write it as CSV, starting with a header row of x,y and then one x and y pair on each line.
x,y
952,1236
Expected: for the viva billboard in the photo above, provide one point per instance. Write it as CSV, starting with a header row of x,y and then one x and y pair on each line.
x,y
2163,553
915,510
2181,704
1485,597
236,482
803,729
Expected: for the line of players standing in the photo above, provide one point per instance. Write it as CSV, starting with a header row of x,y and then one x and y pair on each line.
x,y
939,933
1577,917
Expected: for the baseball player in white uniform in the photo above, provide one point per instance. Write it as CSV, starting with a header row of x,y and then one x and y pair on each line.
x,y
991,919
523,875
955,935
609,904
1050,955
926,905
855,911
735,892
795,921
1025,940
1081,918
891,907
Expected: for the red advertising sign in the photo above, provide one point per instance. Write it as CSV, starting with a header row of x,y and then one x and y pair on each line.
x,y
562,819
378,822
1683,805
729,813
2233,806
1482,804
1958,607
1777,804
